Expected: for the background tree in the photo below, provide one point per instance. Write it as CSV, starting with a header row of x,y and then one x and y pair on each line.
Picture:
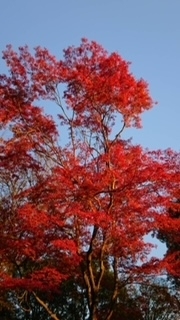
x,y
81,209
156,301
169,233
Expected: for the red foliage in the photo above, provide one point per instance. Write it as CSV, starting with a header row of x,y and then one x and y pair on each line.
x,y
92,200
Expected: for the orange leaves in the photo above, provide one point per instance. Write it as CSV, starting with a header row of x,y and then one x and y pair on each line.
x,y
93,199
47,279
31,73
172,264
68,246
33,218
41,280
99,79
96,82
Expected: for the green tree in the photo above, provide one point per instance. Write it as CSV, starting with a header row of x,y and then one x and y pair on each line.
x,y
156,301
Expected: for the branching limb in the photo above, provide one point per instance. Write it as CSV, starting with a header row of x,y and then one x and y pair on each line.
x,y
45,306
119,133
115,291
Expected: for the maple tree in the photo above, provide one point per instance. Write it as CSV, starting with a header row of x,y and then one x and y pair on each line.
x,y
81,208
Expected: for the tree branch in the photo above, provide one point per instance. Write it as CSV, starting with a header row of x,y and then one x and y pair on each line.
x,y
45,306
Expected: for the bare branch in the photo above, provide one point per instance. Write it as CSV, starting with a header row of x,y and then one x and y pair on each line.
x,y
45,306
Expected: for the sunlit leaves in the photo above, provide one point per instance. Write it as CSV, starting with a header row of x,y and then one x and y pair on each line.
x,y
92,200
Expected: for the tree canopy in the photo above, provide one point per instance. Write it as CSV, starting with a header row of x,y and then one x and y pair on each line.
x,y
79,207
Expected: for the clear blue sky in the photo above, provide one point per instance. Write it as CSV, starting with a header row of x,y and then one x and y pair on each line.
x,y
145,32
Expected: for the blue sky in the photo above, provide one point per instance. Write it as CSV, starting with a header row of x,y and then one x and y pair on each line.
x,y
145,32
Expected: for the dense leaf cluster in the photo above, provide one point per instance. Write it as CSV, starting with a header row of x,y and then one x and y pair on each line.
x,y
74,215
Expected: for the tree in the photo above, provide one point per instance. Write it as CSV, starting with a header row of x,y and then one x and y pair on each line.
x,y
155,301
82,208
170,235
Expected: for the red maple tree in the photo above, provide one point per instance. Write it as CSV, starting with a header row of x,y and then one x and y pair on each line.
x,y
81,208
